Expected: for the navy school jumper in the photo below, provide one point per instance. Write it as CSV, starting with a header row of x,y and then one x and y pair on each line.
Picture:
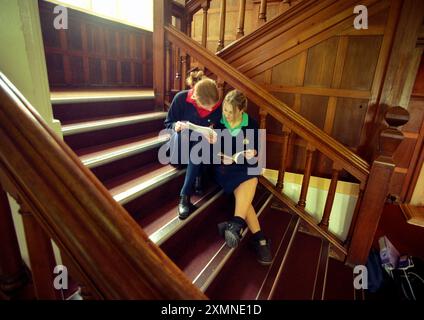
x,y
183,108
229,177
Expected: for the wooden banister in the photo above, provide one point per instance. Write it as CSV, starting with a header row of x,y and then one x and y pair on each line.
x,y
113,254
327,145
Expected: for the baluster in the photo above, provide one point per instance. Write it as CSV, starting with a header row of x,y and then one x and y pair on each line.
x,y
262,12
284,150
325,221
161,19
40,255
306,176
221,88
242,14
184,68
222,26
13,274
177,67
262,115
169,70
377,187
205,7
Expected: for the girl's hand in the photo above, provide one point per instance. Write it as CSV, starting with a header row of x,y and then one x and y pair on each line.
x,y
179,126
211,138
249,154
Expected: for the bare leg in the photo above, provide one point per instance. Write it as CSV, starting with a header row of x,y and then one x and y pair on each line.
x,y
252,221
244,194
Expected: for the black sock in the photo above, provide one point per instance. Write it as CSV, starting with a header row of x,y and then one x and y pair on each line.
x,y
240,221
258,236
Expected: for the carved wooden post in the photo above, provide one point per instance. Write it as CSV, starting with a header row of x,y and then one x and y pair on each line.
x,y
377,187
306,176
325,221
161,18
205,8
284,150
13,274
168,70
242,14
221,88
184,60
40,255
221,40
262,115
262,12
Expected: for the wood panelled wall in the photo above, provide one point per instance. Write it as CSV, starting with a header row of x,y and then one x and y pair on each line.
x,y
331,85
95,52
274,8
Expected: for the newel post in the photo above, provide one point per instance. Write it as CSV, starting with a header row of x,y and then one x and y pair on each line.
x,y
13,274
161,17
377,187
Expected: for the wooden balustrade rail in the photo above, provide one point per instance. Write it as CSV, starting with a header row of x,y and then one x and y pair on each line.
x,y
65,202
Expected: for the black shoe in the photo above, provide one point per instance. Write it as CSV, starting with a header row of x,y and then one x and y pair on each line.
x,y
198,190
232,233
184,207
263,251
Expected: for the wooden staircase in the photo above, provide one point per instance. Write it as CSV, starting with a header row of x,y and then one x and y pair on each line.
x,y
115,135
119,140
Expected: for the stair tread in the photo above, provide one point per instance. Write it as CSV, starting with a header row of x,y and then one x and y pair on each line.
x,y
299,272
205,242
78,96
101,154
339,285
244,273
109,122
128,186
166,212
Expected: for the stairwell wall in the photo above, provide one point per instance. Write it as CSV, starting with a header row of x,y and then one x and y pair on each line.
x,y
22,60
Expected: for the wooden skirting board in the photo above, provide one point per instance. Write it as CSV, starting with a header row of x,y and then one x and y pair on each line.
x,y
413,214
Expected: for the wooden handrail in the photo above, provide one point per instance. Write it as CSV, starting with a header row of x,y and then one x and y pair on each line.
x,y
327,145
112,254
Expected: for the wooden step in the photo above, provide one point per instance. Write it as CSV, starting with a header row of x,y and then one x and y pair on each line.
x,y
110,122
162,221
194,246
95,133
297,279
82,109
129,187
83,96
339,282
100,155
250,280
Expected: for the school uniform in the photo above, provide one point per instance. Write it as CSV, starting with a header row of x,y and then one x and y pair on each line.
x,y
184,108
243,137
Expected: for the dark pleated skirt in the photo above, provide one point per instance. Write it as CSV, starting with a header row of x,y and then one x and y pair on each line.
x,y
229,177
